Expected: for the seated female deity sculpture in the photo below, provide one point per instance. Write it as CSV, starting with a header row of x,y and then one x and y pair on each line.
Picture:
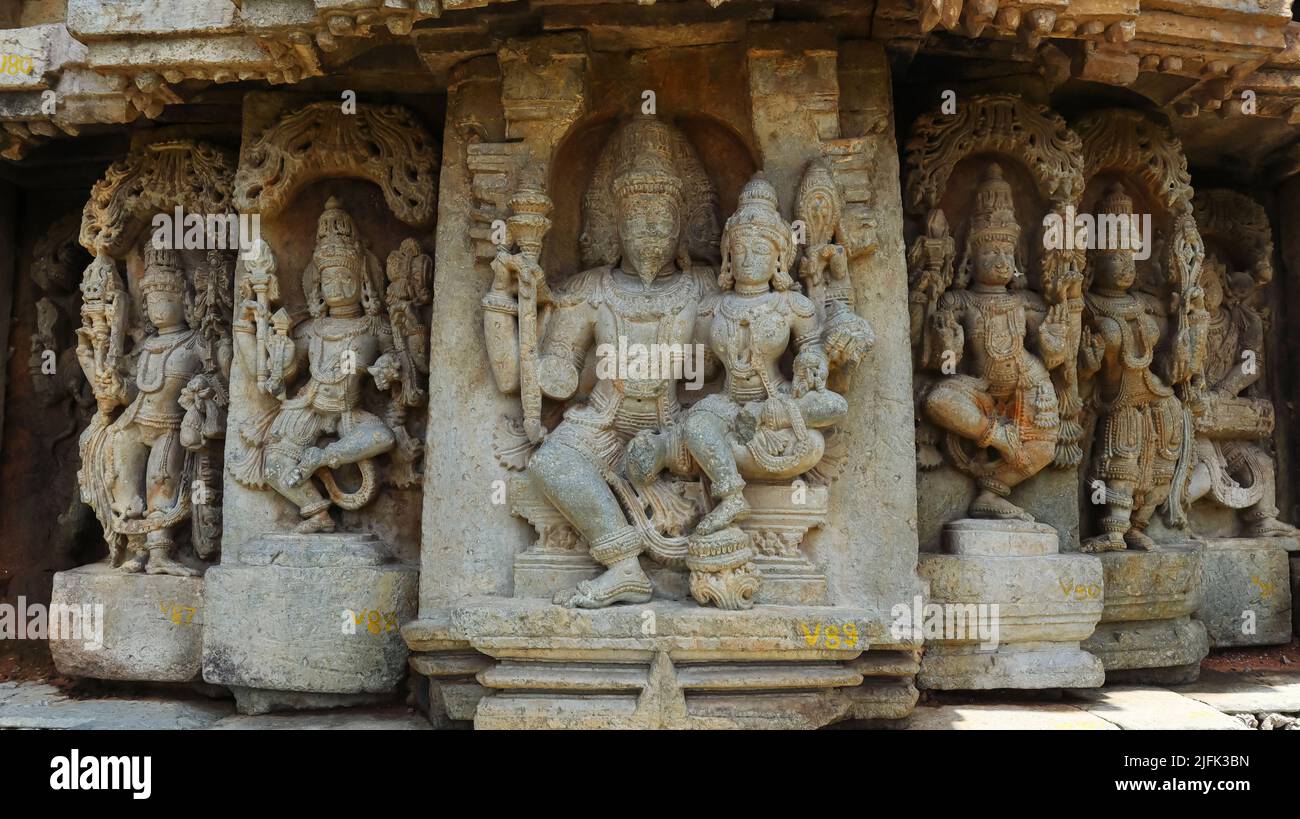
x,y
761,426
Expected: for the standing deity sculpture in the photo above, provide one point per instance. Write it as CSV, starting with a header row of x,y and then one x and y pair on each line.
x,y
993,344
1140,434
347,341
1231,464
155,466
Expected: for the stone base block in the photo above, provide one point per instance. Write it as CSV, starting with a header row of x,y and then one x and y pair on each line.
x,y
1146,622
518,663
1247,600
314,628
1011,620
152,625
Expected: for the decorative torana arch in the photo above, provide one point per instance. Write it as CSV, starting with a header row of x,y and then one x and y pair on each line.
x,y
195,176
383,144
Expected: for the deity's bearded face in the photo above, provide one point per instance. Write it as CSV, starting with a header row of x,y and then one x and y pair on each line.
x,y
164,308
649,229
753,257
1115,269
339,286
995,263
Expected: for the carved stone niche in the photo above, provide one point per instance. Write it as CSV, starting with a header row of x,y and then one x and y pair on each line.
x,y
532,627
1232,487
994,312
154,345
1137,368
328,390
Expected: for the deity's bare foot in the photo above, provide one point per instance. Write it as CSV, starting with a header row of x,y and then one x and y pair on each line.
x,y
161,563
1271,527
312,458
991,505
731,509
642,458
624,582
136,564
1140,540
319,522
1110,542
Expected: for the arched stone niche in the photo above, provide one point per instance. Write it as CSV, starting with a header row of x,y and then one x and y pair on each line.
x,y
948,159
381,166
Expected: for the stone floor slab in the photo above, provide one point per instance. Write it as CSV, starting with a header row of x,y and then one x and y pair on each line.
x,y
396,719
1140,708
1017,717
1246,693
45,707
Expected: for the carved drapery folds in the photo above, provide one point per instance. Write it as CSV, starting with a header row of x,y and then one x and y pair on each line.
x,y
155,346
995,314
383,144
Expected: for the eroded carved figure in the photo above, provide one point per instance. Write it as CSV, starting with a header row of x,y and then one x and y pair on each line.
x,y
348,340
156,465
993,343
1233,468
1140,431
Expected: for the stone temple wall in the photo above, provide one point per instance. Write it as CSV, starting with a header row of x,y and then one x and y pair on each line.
x,y
646,365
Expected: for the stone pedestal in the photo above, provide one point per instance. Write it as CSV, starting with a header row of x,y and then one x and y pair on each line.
x,y
152,625
314,614
1006,610
1247,600
1147,633
521,663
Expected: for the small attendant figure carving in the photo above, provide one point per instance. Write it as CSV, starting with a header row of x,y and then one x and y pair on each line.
x,y
991,389
347,340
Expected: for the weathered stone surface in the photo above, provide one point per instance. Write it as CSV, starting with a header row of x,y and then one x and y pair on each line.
x,y
1246,693
1016,717
1154,709
1247,592
394,719
1046,604
152,625
1146,621
315,630
27,705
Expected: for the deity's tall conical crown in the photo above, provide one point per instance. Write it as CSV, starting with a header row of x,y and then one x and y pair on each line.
x,y
337,242
162,271
994,215
757,210
645,161
1116,200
